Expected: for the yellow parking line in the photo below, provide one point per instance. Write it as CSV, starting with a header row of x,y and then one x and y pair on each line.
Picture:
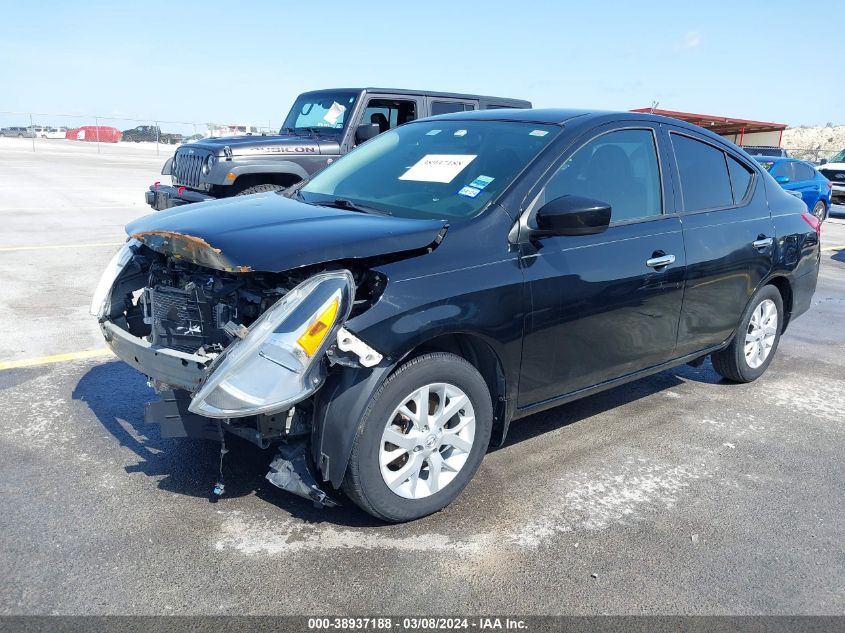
x,y
833,248
55,358
47,247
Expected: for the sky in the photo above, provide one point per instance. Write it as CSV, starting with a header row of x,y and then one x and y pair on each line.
x,y
245,61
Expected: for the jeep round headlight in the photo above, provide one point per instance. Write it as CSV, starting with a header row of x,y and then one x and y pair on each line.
x,y
279,362
209,163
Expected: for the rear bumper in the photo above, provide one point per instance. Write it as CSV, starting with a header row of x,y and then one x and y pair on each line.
x,y
161,197
169,366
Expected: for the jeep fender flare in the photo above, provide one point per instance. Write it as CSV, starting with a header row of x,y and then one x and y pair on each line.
x,y
281,167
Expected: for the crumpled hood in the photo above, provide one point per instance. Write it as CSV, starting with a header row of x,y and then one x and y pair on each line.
x,y
272,233
277,144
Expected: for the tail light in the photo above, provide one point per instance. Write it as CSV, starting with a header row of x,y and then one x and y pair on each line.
x,y
813,221
829,185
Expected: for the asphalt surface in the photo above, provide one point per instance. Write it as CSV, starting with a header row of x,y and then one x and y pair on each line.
x,y
677,494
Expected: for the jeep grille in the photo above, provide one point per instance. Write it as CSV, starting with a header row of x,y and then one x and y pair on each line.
x,y
188,168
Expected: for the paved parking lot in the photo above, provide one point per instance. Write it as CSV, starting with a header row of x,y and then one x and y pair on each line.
x,y
673,494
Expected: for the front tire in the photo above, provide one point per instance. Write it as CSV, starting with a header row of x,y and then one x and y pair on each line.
x,y
756,340
421,438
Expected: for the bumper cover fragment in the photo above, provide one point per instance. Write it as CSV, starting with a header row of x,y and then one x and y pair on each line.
x,y
169,366
290,470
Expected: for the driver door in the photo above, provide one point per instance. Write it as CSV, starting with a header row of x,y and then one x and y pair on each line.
x,y
603,306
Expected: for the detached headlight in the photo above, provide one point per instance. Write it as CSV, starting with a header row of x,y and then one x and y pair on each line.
x,y
278,363
209,163
100,300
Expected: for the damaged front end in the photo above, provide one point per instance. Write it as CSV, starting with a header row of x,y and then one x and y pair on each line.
x,y
230,349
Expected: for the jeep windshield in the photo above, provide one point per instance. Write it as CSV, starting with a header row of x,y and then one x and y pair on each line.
x,y
431,169
320,113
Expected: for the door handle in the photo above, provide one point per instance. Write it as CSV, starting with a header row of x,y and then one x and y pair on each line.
x,y
660,262
762,242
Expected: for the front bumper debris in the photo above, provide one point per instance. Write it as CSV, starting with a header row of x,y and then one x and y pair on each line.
x,y
161,197
179,369
174,420
291,470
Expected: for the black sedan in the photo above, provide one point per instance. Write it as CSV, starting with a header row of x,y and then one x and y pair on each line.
x,y
385,322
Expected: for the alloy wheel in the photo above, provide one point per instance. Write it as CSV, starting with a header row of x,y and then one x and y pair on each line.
x,y
818,211
427,440
760,336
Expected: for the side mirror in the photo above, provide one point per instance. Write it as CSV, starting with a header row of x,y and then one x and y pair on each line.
x,y
823,161
782,180
573,215
364,133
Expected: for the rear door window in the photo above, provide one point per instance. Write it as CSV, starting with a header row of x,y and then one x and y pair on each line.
x,y
447,107
803,172
705,183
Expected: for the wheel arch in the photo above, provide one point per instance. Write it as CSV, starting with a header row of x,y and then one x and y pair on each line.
x,y
483,356
784,287
343,399
263,178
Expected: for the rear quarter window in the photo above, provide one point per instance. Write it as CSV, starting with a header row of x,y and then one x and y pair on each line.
x,y
741,177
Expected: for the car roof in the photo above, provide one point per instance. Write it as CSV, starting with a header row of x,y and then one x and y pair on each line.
x,y
427,93
560,116
776,159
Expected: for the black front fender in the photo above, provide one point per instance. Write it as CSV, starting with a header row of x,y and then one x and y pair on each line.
x,y
339,407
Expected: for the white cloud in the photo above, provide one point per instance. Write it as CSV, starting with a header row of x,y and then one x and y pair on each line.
x,y
692,39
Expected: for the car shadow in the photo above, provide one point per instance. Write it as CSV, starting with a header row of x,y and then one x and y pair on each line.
x,y
116,394
577,410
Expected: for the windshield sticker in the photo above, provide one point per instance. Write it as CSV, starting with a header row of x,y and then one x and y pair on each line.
x,y
538,132
461,133
469,192
334,113
481,182
433,132
438,167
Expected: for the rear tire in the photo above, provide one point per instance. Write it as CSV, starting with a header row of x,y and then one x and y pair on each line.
x,y
260,189
436,454
820,210
756,340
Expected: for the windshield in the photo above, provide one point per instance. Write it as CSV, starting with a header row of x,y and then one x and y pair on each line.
x,y
432,169
320,112
838,158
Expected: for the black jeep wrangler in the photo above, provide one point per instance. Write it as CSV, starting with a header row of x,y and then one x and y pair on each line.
x,y
322,126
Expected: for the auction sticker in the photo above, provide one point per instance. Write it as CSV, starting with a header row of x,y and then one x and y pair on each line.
x,y
469,192
334,113
438,167
481,182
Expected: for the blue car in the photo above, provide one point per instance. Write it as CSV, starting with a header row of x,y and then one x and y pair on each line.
x,y
802,180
